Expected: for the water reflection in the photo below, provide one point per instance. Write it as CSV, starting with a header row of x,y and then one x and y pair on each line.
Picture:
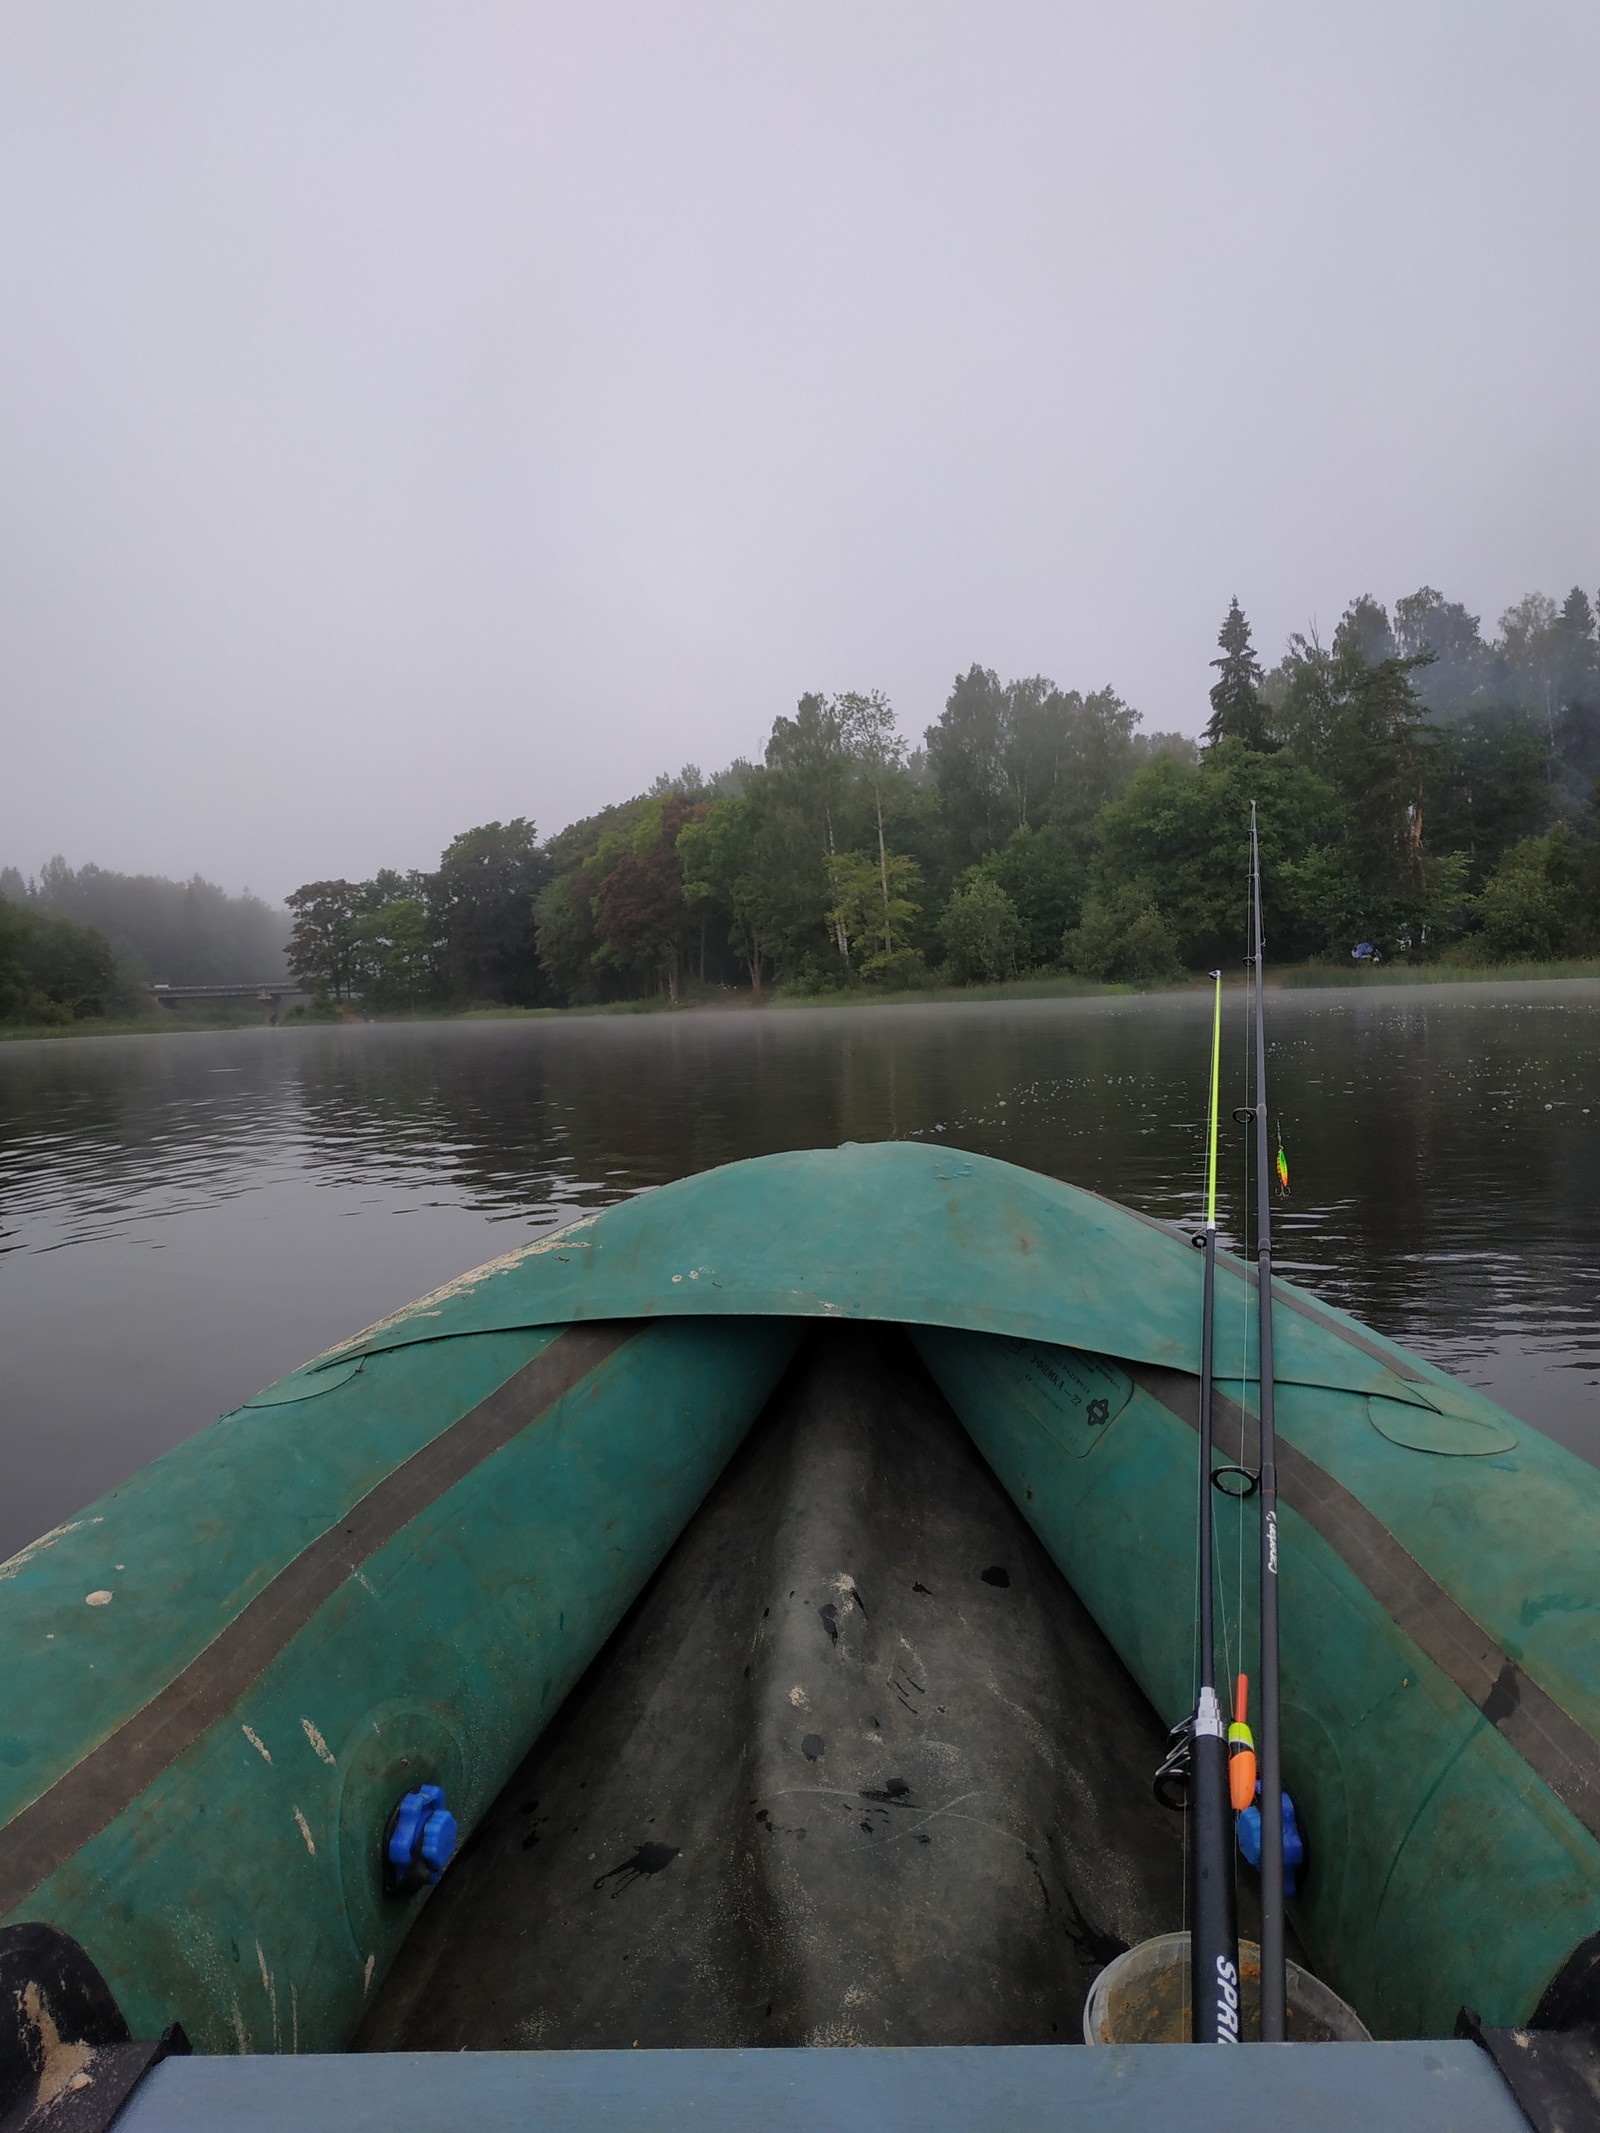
x,y
184,1218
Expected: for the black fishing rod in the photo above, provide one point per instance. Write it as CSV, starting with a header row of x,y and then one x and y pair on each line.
x,y
1273,1978
1214,1926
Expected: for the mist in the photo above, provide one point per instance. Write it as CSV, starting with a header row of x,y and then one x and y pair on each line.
x,y
414,416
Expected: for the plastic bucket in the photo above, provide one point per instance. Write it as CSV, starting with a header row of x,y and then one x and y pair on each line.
x,y
1143,1998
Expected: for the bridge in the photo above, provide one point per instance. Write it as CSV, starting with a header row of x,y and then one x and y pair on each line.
x,y
271,992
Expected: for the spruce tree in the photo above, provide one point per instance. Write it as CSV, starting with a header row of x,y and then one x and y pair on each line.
x,y
1237,711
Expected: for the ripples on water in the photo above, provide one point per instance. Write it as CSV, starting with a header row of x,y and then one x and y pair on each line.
x,y
182,1219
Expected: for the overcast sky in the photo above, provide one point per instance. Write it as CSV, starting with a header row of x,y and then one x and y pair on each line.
x,y
417,414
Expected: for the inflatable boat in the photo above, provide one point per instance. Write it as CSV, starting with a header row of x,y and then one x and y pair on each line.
x,y
753,1615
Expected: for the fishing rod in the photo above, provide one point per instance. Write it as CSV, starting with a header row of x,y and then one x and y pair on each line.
x,y
1214,1927
1273,1976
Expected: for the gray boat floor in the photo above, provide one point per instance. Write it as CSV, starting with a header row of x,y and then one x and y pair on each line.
x,y
1382,2088
858,1769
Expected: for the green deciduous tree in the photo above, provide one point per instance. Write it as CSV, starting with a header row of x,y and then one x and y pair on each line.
x,y
810,774
740,859
981,930
1122,935
641,914
1540,901
640,910
1098,755
1529,660
1044,873
875,751
1440,632
1485,787
483,902
876,908
1182,747
966,759
1577,659
396,951
322,940
1351,713
567,936
52,970
1367,632
1025,754
1181,839
837,773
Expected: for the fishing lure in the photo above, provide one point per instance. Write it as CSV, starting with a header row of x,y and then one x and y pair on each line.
x,y
1282,1165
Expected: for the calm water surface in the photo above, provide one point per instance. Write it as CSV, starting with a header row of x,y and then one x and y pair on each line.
x,y
182,1219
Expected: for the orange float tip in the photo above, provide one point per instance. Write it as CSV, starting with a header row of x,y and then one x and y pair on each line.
x,y
1242,1779
1241,1700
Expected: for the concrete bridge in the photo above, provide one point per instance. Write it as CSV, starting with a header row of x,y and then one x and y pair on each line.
x,y
272,993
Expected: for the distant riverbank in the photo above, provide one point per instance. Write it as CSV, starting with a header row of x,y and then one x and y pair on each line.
x,y
162,1025
714,1000
1293,977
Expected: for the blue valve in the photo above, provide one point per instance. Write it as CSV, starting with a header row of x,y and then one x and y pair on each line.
x,y
419,1842
1294,1844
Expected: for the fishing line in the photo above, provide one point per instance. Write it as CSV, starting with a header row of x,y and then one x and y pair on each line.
x,y
1194,1663
1241,1480
1194,1667
1273,1967
1194,1654
1244,1327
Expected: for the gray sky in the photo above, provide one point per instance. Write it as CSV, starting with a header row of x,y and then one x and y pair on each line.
x,y
412,414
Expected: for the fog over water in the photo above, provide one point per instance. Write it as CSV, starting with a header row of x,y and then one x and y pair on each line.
x,y
416,414
182,1220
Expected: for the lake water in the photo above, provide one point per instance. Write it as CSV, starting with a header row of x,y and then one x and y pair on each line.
x,y
184,1218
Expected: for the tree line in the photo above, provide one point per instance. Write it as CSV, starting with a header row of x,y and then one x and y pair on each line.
x,y
79,942
1424,789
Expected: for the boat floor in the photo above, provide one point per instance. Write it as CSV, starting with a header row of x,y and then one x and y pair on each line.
x,y
857,1768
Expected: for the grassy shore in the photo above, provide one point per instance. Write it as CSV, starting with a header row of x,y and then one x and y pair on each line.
x,y
1057,986
1352,979
161,1024
1300,977
1293,977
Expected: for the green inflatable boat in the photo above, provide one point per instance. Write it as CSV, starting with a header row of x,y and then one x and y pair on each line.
x,y
852,1492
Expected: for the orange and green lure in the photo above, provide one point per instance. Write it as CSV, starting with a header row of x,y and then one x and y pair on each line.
x,y
1282,1165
